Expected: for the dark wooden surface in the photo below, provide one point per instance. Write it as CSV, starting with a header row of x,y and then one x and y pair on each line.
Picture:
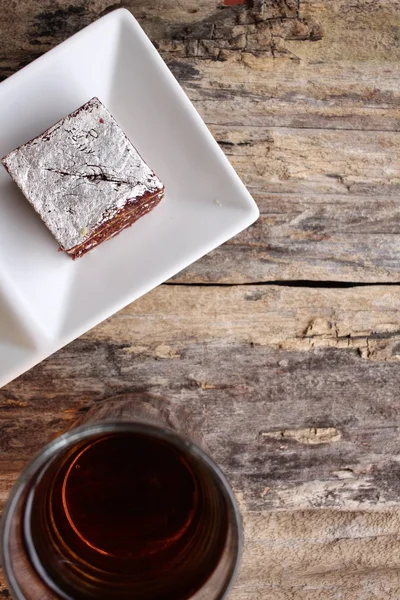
x,y
288,358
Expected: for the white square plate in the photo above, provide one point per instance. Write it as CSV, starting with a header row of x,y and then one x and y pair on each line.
x,y
46,299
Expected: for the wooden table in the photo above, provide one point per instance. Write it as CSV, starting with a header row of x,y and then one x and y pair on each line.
x,y
285,342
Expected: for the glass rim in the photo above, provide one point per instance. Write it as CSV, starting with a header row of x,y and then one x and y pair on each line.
x,y
68,439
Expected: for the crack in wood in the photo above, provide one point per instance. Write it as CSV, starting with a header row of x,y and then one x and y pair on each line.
x,y
316,284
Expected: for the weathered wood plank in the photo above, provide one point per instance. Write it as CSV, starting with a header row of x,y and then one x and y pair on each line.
x,y
342,237
295,391
320,555
313,160
306,123
364,319
330,210
328,202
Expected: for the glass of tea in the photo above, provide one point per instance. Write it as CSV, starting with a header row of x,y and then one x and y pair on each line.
x,y
126,505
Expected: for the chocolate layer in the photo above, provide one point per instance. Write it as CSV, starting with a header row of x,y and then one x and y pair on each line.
x,y
125,219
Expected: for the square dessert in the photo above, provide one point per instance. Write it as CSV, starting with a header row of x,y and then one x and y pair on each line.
x,y
84,178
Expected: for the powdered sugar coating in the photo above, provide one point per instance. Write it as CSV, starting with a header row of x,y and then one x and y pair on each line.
x,y
80,173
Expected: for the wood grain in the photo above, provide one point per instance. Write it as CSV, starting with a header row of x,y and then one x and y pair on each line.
x,y
271,380
295,386
303,98
295,392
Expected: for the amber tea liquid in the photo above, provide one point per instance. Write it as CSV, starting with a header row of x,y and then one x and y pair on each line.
x,y
125,515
